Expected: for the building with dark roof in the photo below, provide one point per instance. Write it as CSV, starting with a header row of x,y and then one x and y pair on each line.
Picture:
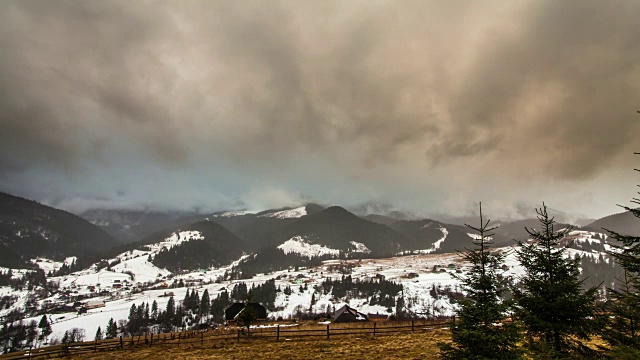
x,y
232,311
348,314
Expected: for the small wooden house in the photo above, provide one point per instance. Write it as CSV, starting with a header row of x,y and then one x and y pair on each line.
x,y
232,311
348,314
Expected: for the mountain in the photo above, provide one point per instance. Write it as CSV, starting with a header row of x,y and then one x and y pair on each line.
x,y
331,233
201,245
516,230
134,225
380,219
339,229
29,229
430,236
624,223
255,228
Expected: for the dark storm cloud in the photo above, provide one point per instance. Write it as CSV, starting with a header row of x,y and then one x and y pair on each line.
x,y
534,89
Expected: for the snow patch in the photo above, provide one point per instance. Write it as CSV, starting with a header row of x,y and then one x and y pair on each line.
x,y
360,247
234,213
288,214
175,239
436,245
299,245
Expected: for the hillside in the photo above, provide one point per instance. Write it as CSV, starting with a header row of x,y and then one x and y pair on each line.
x,y
339,229
516,230
29,229
429,236
256,228
624,223
210,245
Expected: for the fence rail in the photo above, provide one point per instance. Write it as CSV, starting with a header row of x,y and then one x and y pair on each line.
x,y
206,338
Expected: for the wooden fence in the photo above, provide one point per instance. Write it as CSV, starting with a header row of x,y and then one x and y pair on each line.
x,y
209,338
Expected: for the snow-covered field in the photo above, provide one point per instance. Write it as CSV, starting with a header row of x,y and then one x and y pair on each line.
x,y
417,273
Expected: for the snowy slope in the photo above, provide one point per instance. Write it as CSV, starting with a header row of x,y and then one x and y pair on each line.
x,y
288,214
300,246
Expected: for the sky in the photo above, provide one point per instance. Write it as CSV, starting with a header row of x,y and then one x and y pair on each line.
x,y
425,106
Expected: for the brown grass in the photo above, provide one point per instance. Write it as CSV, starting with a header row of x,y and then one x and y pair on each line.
x,y
420,345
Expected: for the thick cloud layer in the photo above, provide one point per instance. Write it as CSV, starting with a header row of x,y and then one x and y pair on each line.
x,y
429,105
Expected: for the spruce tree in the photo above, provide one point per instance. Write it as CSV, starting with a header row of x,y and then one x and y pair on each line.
x,y
44,326
481,332
623,333
552,304
205,303
98,334
112,329
154,311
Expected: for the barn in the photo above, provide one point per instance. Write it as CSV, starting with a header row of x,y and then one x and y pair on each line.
x,y
348,314
232,311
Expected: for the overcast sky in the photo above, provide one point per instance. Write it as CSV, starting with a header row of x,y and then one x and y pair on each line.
x,y
430,106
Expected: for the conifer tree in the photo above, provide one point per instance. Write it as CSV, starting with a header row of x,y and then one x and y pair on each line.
x,y
623,333
154,311
248,314
205,303
187,299
481,332
112,329
98,334
552,304
44,326
170,312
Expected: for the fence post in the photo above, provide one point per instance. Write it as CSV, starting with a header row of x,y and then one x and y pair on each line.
x,y
30,346
374,328
278,333
179,336
454,319
201,339
151,341
412,326
238,335
95,346
121,342
327,331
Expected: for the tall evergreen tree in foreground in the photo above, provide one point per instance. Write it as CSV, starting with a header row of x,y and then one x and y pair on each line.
x,y
555,309
481,332
623,333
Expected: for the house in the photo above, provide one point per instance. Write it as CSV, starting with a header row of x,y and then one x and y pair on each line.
x,y
94,304
348,314
233,310
378,317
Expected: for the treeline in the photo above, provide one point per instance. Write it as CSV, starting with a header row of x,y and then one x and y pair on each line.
x,y
378,291
270,260
65,269
190,255
16,336
29,280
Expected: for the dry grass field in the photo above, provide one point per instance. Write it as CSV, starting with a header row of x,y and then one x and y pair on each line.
x,y
420,345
